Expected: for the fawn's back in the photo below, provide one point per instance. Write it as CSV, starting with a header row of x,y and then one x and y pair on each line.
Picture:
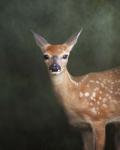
x,y
100,93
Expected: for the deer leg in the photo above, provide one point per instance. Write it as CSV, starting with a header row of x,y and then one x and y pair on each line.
x,y
99,134
88,140
100,140
87,136
94,139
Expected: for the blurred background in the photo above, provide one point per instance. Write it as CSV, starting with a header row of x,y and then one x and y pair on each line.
x,y
30,117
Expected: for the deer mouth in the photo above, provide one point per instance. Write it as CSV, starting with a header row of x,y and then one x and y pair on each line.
x,y
55,73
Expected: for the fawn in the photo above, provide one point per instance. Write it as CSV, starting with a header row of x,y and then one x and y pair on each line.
x,y
93,98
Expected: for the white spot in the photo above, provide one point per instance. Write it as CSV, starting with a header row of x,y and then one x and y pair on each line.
x,y
91,81
112,82
91,104
91,98
85,77
97,82
111,91
98,102
87,94
93,94
94,99
93,110
96,89
81,94
104,105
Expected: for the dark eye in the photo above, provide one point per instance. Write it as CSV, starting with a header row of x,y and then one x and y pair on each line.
x,y
65,56
46,57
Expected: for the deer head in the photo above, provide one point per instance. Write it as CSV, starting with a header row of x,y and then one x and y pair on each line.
x,y
56,55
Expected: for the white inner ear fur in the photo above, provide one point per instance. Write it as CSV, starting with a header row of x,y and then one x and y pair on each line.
x,y
73,40
70,47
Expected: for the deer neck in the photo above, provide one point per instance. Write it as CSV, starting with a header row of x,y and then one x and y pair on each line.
x,y
63,84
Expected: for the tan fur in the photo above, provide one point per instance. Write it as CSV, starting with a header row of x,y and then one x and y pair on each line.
x,y
56,49
98,106
97,111
93,98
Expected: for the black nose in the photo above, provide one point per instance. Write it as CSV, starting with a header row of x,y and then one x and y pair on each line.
x,y
55,67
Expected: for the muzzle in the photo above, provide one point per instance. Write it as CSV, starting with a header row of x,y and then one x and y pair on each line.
x,y
55,67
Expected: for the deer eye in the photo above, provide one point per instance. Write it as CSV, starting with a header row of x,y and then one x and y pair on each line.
x,y
65,56
46,57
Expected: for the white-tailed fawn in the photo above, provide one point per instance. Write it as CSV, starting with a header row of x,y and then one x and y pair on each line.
x,y
93,98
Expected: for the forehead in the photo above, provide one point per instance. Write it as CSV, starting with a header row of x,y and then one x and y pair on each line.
x,y
56,49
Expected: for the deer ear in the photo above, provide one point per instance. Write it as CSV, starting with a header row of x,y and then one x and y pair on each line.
x,y
73,40
40,41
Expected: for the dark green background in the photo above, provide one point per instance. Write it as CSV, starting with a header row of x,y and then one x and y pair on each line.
x,y
30,117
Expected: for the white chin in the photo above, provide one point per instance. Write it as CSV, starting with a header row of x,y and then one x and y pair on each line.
x,y
55,73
